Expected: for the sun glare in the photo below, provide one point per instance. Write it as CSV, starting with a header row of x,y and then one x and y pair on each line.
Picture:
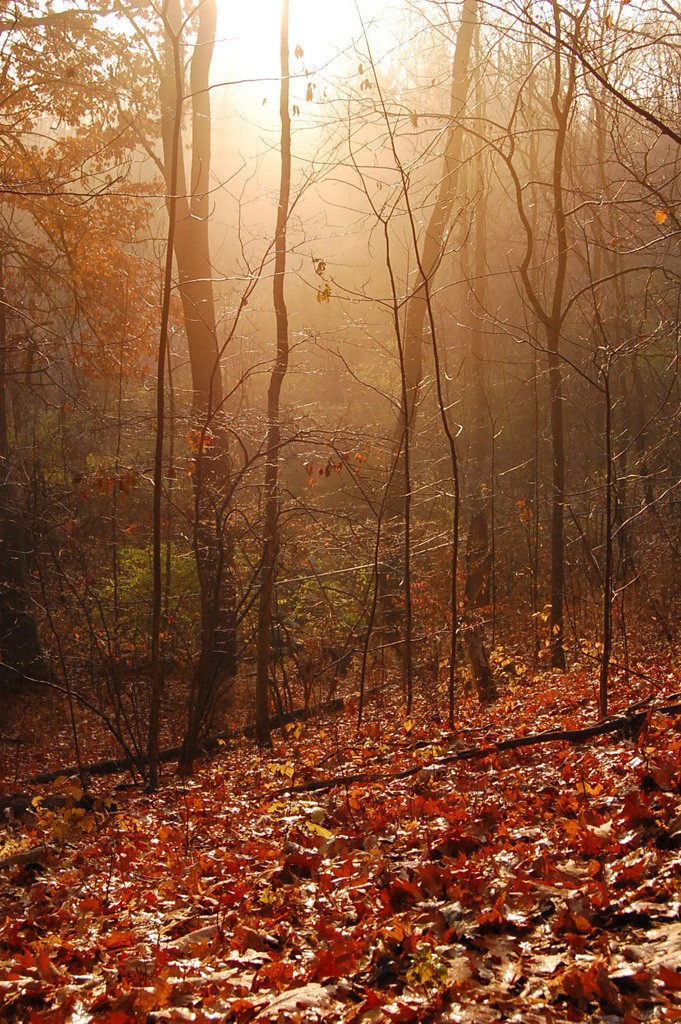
x,y
250,34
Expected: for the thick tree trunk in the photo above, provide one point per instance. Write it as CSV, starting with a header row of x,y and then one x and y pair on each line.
x,y
192,248
212,543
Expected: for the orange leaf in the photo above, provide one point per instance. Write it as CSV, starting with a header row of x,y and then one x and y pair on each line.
x,y
117,940
671,979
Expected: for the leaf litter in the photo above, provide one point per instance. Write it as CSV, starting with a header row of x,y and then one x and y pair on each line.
x,y
537,884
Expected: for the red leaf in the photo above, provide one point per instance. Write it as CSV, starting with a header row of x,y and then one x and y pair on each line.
x,y
671,979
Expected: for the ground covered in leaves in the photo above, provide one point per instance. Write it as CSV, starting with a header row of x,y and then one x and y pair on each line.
x,y
367,877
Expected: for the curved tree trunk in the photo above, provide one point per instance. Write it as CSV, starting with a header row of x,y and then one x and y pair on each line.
x,y
417,326
435,238
550,312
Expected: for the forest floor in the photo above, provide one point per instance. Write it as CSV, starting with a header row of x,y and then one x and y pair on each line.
x,y
379,877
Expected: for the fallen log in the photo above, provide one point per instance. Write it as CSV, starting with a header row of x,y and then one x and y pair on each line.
x,y
624,723
628,725
120,764
22,803
35,855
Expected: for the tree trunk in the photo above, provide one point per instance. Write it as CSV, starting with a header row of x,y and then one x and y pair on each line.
x,y
557,509
437,230
607,568
479,665
561,104
192,249
478,553
156,673
211,477
551,314
262,718
398,487
20,648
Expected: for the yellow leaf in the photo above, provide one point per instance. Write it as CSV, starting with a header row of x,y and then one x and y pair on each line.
x,y
661,216
319,830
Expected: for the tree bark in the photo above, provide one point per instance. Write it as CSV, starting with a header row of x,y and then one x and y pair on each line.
x,y
192,247
212,472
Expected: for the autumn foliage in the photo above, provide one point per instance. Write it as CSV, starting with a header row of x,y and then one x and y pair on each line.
x,y
386,876
339,514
